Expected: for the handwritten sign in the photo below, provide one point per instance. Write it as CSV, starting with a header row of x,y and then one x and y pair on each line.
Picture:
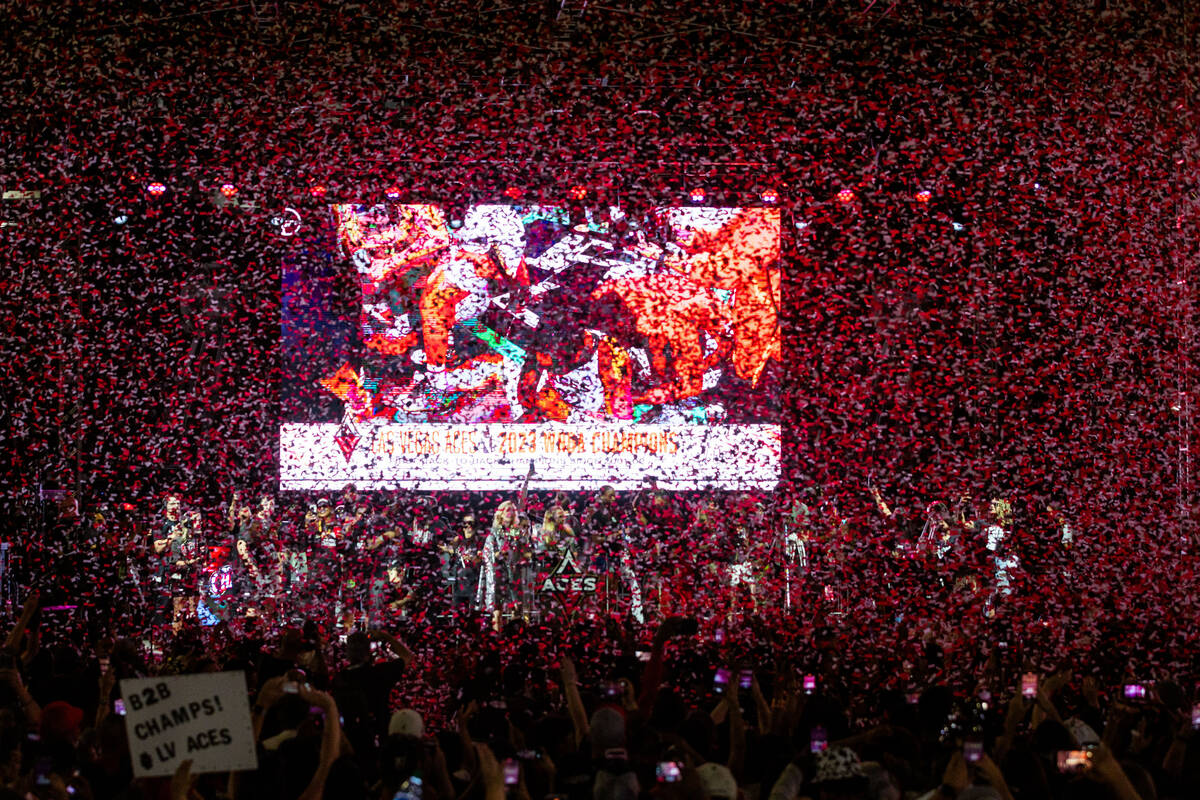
x,y
204,717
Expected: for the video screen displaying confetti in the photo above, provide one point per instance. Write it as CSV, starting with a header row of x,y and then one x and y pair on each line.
x,y
601,349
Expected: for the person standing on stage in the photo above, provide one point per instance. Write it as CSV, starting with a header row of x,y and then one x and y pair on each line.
x,y
655,542
258,554
157,559
182,558
999,543
507,558
506,548
609,529
325,532
464,555
273,559
249,574
388,593
557,531
423,566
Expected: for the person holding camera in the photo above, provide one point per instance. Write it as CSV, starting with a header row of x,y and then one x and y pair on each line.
x,y
180,553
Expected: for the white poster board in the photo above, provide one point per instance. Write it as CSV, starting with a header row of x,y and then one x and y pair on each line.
x,y
203,717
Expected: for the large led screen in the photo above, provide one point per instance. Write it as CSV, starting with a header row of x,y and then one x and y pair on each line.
x,y
453,353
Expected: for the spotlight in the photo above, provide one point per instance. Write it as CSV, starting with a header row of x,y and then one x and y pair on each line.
x,y
228,190
924,196
578,192
317,190
392,192
120,219
156,188
697,195
770,196
513,192
845,196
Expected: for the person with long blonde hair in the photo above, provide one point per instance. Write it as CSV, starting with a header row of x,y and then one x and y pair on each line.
x,y
1004,559
507,556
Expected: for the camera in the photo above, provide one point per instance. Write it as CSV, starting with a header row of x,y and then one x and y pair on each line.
x,y
1029,685
1072,762
411,789
745,679
669,772
721,681
1135,691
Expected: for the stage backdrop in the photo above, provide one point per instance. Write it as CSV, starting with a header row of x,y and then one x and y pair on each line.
x,y
429,350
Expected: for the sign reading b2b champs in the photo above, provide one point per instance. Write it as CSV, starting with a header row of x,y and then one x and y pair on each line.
x,y
203,717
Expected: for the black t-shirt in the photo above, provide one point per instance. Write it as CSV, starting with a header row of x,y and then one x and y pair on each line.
x,y
161,529
606,518
362,694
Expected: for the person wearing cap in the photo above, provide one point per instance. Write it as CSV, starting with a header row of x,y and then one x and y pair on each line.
x,y
615,776
839,775
61,722
325,531
718,781
181,564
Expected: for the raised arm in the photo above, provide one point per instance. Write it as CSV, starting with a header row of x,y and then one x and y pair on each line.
x,y
234,507
524,495
243,551
331,741
27,612
882,506
395,645
570,682
737,734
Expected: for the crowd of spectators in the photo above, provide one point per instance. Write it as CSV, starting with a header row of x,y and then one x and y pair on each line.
x,y
599,709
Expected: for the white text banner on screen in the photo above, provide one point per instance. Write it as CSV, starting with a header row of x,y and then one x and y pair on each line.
x,y
449,457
